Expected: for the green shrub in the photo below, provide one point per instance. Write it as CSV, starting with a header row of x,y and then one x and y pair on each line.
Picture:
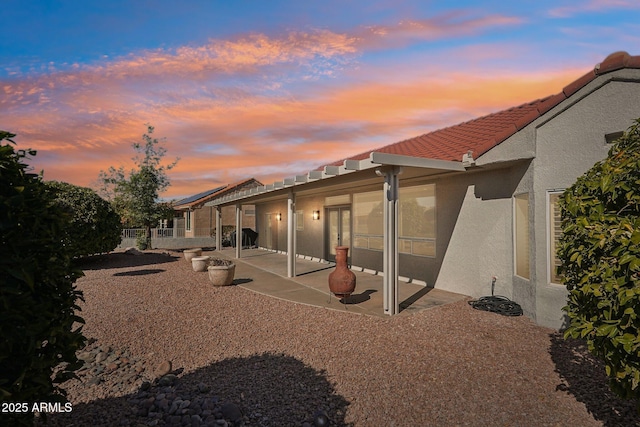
x,y
95,226
142,241
37,292
600,254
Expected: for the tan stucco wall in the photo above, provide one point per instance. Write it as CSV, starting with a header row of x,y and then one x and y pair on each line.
x,y
203,219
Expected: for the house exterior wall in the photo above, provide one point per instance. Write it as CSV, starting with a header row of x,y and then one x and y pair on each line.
x,y
475,215
567,146
278,228
310,238
475,231
203,219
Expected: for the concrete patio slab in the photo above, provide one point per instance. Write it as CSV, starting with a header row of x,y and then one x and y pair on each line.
x,y
265,272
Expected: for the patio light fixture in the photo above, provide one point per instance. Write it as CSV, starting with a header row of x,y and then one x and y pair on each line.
x,y
279,216
316,215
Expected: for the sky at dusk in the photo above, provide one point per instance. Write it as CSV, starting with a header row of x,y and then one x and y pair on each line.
x,y
270,90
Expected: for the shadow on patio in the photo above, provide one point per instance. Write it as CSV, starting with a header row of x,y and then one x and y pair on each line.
x,y
267,272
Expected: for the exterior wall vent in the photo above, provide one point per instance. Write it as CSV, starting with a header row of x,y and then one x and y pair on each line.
x,y
612,137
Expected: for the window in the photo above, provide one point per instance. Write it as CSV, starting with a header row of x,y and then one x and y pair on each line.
x,y
188,220
299,220
343,199
416,220
367,220
521,234
555,232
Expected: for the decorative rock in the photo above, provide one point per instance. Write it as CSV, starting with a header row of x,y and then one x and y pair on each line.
x,y
164,368
167,380
86,356
204,388
231,412
133,251
101,357
320,419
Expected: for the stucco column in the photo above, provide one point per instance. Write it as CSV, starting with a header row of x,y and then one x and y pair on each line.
x,y
218,228
238,230
390,239
291,235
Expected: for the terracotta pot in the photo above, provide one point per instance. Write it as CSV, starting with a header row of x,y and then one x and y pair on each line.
x,y
200,263
190,253
342,281
221,275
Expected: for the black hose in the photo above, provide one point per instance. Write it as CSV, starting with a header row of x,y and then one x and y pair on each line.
x,y
497,304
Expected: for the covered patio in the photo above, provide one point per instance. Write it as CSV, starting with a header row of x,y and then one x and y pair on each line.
x,y
265,272
330,189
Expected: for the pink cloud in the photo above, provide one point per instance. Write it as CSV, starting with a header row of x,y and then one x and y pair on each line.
x,y
85,118
454,24
592,6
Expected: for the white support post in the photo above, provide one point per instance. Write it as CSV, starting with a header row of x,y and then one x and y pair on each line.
x,y
390,241
218,228
238,229
291,234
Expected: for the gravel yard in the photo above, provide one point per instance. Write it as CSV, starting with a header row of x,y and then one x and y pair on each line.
x,y
169,349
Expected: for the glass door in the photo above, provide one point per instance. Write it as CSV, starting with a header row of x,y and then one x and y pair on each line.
x,y
338,229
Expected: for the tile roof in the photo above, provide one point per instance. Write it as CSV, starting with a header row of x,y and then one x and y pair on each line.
x,y
484,133
199,199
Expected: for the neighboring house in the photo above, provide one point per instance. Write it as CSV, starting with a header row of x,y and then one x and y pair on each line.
x,y
459,207
200,220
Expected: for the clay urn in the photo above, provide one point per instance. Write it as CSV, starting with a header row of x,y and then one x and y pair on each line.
x,y
342,281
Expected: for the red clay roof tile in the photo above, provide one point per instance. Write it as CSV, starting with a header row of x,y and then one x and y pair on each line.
x,y
484,133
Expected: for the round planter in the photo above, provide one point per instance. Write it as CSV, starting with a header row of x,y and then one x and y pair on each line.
x,y
190,253
342,281
199,263
221,275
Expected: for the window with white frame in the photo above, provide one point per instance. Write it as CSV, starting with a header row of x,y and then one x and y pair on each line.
x,y
521,234
554,226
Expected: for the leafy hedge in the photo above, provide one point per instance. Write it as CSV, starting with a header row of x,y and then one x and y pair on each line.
x,y
600,254
94,225
37,292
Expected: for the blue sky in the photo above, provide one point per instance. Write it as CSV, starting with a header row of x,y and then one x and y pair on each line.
x,y
273,89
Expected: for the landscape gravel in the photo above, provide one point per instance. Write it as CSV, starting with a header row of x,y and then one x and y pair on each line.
x,y
167,348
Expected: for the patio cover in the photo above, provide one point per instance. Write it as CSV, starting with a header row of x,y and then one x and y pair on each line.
x,y
385,165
